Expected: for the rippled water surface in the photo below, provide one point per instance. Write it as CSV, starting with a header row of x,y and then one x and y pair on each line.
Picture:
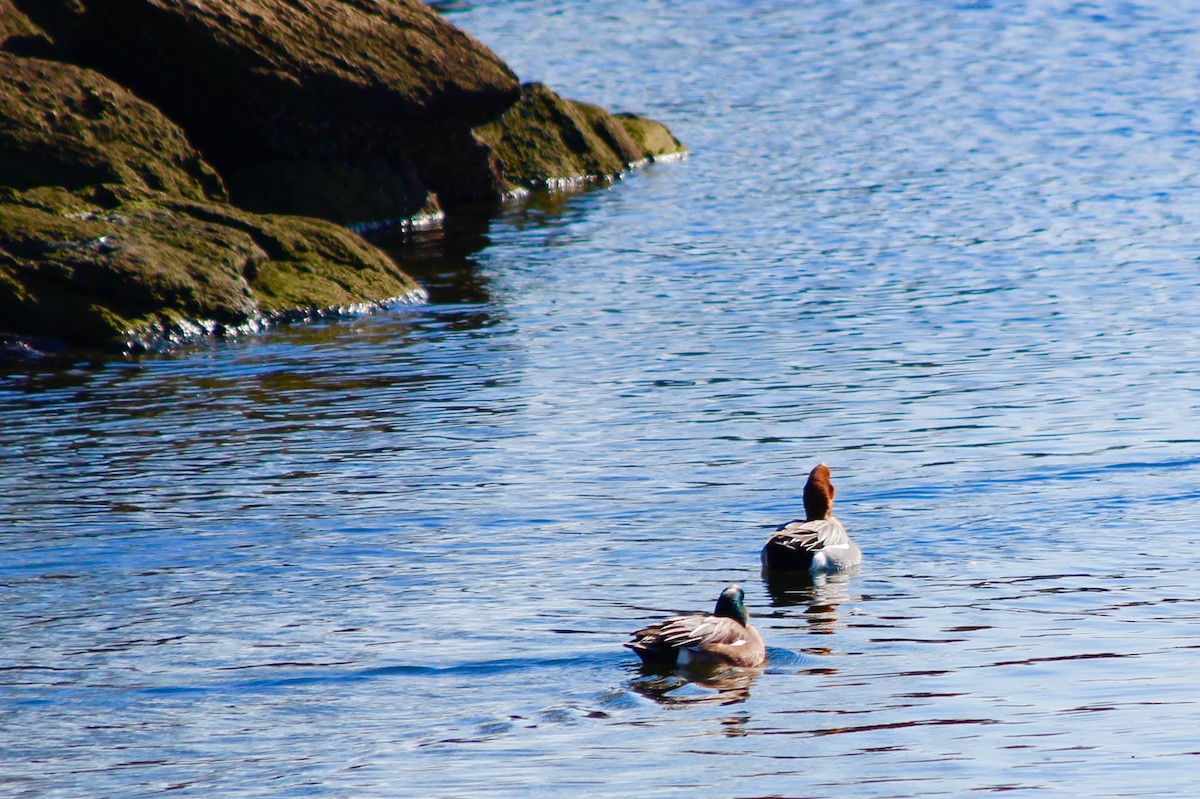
x,y
949,249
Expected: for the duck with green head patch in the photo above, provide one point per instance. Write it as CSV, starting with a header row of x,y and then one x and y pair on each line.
x,y
721,637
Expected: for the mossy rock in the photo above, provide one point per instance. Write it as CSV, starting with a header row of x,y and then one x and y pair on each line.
x,y
109,269
93,276
653,139
61,125
289,99
311,265
545,140
255,80
19,35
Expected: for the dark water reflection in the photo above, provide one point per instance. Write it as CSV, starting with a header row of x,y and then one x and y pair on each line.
x,y
949,250
819,595
443,259
722,686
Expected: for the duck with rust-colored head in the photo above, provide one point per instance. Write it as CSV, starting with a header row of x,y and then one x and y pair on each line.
x,y
721,637
819,543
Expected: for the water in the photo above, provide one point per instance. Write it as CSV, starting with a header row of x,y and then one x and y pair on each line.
x,y
949,249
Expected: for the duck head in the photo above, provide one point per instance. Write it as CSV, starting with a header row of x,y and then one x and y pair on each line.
x,y
818,494
732,604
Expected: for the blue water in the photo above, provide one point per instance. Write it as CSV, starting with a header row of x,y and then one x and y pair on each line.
x,y
948,249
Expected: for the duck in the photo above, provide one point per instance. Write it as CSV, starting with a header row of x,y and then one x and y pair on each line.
x,y
818,543
723,637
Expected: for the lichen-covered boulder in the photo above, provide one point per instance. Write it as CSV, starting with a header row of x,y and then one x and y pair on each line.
x,y
106,269
62,125
545,140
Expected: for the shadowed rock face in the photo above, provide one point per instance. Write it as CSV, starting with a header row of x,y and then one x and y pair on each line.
x,y
66,126
371,190
353,100
258,79
363,112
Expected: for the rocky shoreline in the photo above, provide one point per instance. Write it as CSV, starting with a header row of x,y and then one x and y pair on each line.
x,y
178,169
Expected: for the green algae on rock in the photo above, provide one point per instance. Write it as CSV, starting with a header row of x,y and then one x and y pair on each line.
x,y
276,93
93,276
366,114
62,125
250,79
151,271
18,34
311,266
113,233
653,139
546,141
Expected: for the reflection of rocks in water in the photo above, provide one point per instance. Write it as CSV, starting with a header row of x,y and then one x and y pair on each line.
x,y
822,593
695,684
441,259
548,210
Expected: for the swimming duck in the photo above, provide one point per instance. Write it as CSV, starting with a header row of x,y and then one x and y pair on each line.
x,y
723,637
819,543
